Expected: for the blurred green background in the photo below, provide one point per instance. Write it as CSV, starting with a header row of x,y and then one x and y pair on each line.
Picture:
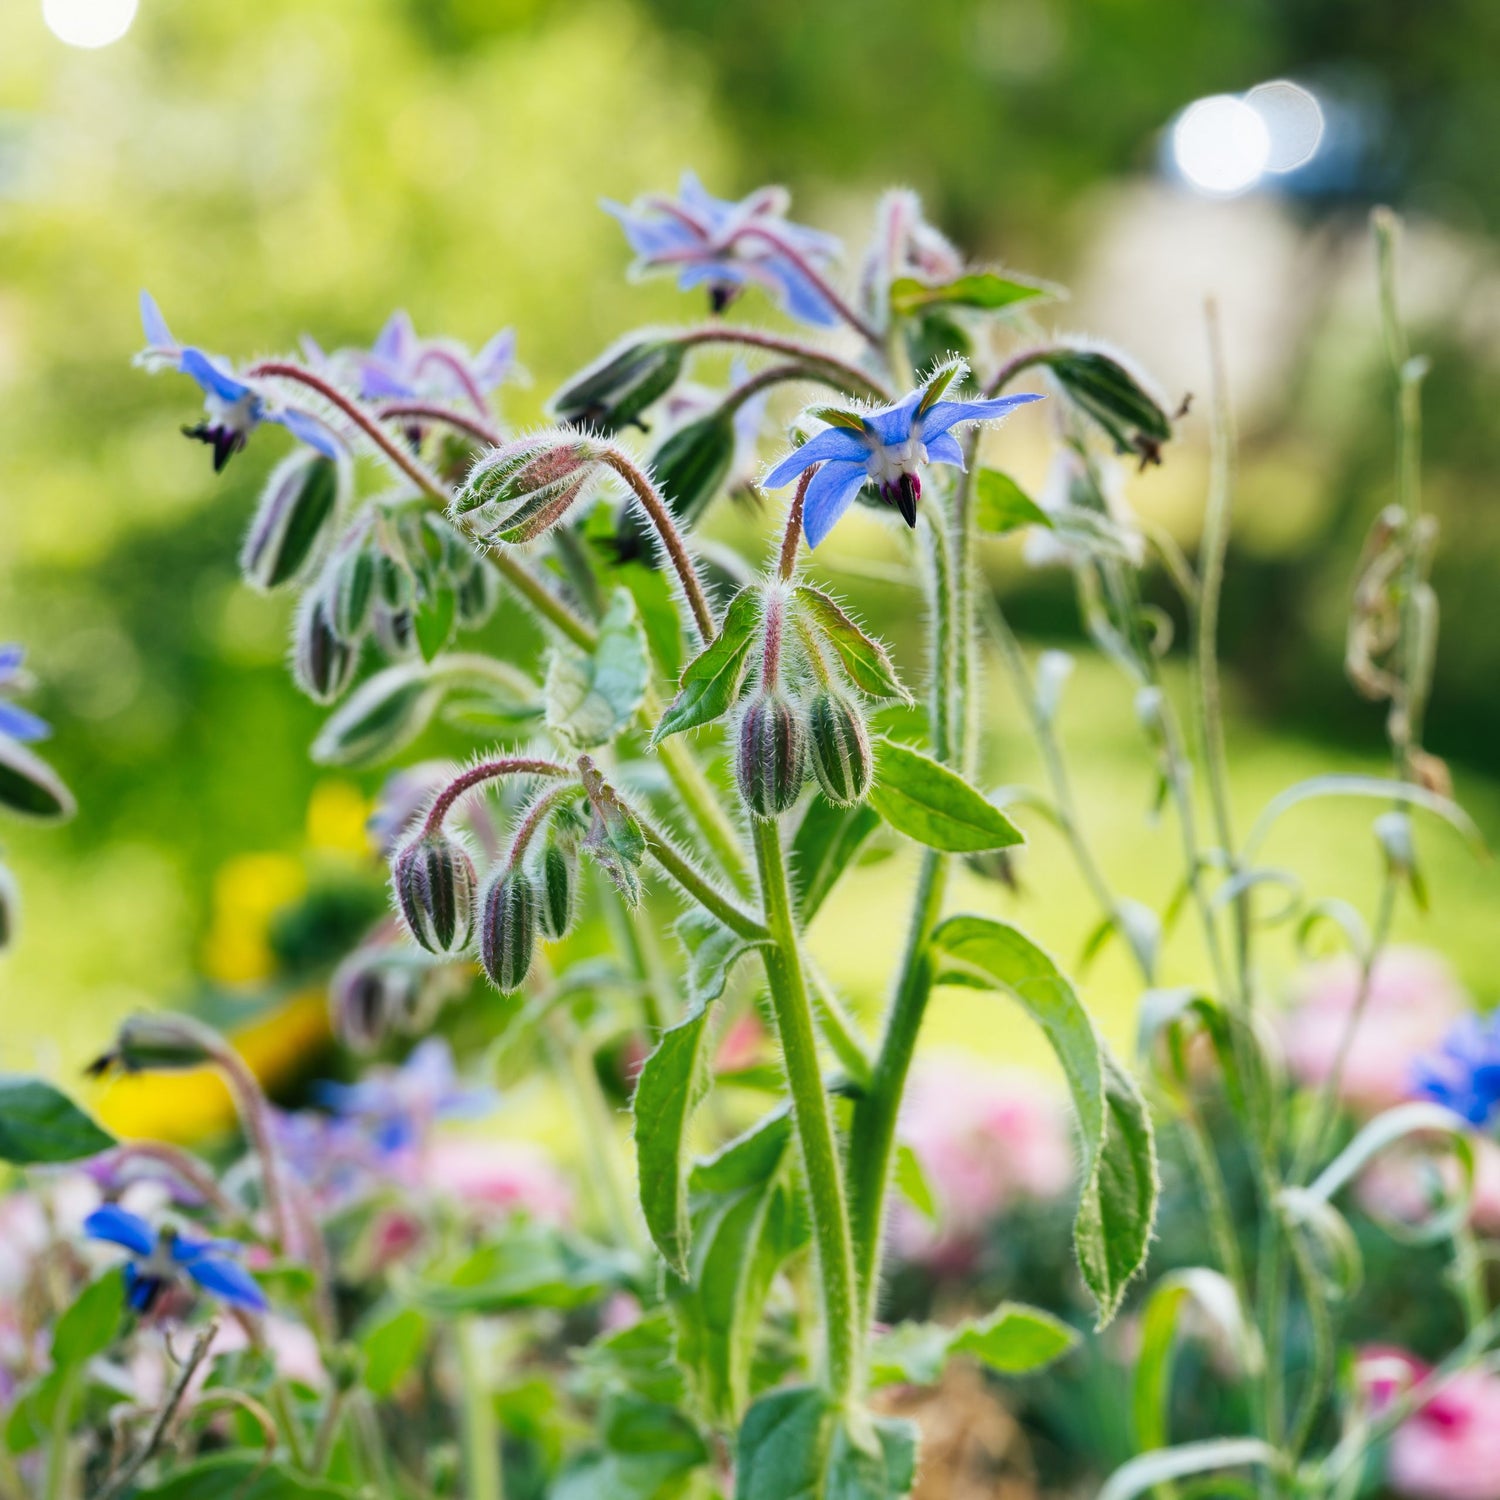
x,y
296,165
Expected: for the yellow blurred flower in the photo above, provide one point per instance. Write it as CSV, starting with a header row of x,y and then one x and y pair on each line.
x,y
338,815
248,892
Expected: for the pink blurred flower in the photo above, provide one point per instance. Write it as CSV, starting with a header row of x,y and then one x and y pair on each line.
x,y
497,1175
985,1137
1414,999
1449,1449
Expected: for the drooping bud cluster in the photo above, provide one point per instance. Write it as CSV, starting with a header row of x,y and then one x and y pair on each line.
x,y
522,489
434,881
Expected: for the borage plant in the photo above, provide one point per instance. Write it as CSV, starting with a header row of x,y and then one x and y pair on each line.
x,y
721,730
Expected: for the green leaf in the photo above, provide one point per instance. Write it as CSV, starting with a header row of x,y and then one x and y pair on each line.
x,y
982,289
933,805
1118,1203
433,620
392,1345
795,1444
40,1124
711,681
673,1081
712,951
865,660
692,464
532,1266
383,715
1001,505
652,591
590,699
746,1222
1218,1302
242,1476
89,1326
29,786
826,841
649,1448
912,1183
1149,1470
1013,1340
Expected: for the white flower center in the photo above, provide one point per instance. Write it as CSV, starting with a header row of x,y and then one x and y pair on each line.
x,y
888,462
234,416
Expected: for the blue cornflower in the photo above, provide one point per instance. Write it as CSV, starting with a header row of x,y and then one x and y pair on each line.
x,y
16,722
400,365
1464,1073
725,246
883,449
398,1106
234,409
161,1257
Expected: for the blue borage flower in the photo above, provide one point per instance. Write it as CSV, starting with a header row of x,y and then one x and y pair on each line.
x,y
399,1105
1464,1073
16,722
400,364
162,1257
724,246
884,448
234,408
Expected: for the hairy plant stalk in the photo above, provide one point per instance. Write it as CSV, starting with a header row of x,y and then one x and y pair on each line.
x,y
843,1331
849,377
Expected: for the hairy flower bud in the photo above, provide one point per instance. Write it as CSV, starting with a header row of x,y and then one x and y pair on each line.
x,y
478,593
770,759
295,508
395,632
158,1041
839,745
523,488
559,882
434,882
323,662
507,930
348,585
10,908
29,786
614,392
370,997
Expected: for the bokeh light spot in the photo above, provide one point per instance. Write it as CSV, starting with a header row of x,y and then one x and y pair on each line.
x,y
1294,121
88,23
1221,145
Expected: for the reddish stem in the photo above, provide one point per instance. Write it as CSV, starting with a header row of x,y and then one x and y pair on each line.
x,y
793,532
457,367
487,770
435,411
836,301
851,376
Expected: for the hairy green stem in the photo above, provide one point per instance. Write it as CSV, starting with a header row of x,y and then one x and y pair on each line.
x,y
785,977
481,1434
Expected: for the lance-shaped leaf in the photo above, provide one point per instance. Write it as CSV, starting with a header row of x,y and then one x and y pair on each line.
x,y
40,1124
590,699
865,659
1118,1203
935,806
1001,505
1115,397
987,290
746,1221
1012,1340
826,841
711,681
672,1083
614,840
246,1475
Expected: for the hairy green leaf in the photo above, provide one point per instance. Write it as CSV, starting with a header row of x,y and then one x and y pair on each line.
x,y
986,290
392,1344
1001,505
935,806
590,699
711,681
826,841
1012,1340
865,660
38,1123
795,1444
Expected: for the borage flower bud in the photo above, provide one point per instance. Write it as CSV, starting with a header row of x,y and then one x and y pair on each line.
x,y
371,996
614,392
434,882
559,881
348,585
523,488
840,748
323,661
478,593
770,759
154,1043
295,507
507,930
